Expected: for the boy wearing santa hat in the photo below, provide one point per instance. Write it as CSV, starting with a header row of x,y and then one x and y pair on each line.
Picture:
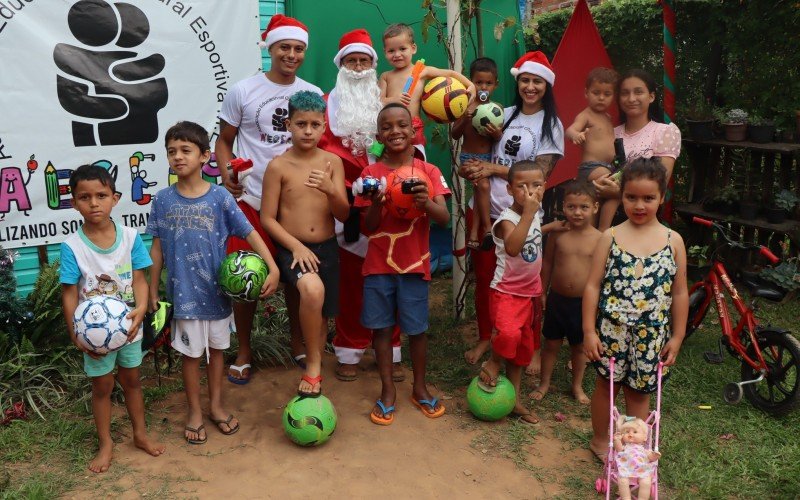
x,y
254,115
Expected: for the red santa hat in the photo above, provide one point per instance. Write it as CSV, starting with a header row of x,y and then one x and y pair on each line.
x,y
535,63
282,27
357,40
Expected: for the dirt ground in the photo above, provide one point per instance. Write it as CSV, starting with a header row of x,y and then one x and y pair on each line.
x,y
415,457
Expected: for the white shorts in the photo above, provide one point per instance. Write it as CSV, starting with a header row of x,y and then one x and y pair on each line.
x,y
193,337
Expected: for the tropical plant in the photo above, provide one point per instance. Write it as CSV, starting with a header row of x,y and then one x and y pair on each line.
x,y
698,255
47,328
786,275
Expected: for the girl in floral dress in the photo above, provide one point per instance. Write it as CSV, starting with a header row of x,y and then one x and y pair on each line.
x,y
636,299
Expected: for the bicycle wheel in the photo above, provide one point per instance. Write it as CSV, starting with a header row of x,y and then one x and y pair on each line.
x,y
696,300
779,393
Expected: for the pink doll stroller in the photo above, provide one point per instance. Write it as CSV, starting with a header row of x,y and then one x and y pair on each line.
x,y
611,474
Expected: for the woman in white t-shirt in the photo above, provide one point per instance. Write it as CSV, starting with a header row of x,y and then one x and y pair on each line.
x,y
531,131
642,131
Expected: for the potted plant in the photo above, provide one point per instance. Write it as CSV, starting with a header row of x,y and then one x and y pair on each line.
x,y
734,122
760,130
783,203
697,264
726,199
700,119
785,275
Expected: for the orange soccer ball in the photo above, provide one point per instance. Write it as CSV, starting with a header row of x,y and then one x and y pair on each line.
x,y
399,203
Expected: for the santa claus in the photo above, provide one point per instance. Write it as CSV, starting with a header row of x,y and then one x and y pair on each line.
x,y
352,114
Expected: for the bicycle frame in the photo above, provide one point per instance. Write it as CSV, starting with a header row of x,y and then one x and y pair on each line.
x,y
714,283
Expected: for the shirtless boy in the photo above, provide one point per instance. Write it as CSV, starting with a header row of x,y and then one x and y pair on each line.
x,y
594,131
567,259
302,193
399,48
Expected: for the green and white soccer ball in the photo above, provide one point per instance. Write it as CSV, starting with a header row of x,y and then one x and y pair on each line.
x,y
100,323
309,421
491,406
485,114
241,276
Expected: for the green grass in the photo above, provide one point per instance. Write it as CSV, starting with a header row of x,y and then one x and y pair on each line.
x,y
759,461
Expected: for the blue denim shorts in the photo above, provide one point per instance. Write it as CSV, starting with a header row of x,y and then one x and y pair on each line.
x,y
391,299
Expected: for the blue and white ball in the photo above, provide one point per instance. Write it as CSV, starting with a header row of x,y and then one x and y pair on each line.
x,y
101,324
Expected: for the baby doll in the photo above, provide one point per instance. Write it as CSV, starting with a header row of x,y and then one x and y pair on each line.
x,y
633,459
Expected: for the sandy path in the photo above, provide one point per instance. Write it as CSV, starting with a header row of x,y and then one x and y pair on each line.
x,y
415,456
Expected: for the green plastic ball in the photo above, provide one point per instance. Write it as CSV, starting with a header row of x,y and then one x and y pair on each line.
x,y
309,421
491,406
241,276
486,114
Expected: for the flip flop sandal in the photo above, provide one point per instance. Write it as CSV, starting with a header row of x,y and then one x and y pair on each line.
x,y
312,381
387,416
521,418
241,379
473,244
487,243
197,431
227,422
430,403
484,387
345,377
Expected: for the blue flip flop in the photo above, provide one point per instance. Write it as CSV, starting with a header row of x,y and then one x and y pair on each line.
x,y
240,369
388,414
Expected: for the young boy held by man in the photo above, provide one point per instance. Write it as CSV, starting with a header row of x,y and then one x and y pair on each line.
x,y
190,222
303,192
483,73
593,130
399,48
102,251
397,266
567,260
515,300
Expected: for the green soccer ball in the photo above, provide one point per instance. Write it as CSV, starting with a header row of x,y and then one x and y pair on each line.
x,y
241,276
491,406
309,421
485,114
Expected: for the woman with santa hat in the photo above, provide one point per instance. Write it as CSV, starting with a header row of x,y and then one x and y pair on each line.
x,y
531,131
352,114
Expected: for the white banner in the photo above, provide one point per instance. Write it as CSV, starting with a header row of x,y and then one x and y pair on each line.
x,y
100,82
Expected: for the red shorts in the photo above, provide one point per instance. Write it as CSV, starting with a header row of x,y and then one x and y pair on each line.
x,y
235,244
517,322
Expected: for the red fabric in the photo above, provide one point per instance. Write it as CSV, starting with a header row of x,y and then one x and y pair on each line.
x,y
281,21
483,263
419,131
581,49
349,332
401,246
235,244
514,318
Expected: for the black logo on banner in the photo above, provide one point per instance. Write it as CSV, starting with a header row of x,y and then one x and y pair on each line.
x,y
279,119
115,91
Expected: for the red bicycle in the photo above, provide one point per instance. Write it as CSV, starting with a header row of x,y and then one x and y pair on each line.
x,y
770,356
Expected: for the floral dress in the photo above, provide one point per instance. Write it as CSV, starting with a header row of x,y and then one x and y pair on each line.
x,y
633,461
634,314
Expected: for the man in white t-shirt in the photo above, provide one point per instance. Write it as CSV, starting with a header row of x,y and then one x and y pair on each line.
x,y
254,115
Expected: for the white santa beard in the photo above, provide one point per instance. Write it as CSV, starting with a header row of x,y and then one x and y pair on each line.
x,y
354,105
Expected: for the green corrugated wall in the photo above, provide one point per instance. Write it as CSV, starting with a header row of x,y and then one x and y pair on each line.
x,y
26,267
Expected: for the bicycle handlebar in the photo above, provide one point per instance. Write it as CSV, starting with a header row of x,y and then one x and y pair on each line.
x,y
769,255
702,222
735,244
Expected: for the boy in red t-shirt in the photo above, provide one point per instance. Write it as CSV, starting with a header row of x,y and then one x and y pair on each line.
x,y
397,266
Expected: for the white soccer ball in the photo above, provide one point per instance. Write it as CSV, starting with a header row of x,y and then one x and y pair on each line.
x,y
491,112
101,324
